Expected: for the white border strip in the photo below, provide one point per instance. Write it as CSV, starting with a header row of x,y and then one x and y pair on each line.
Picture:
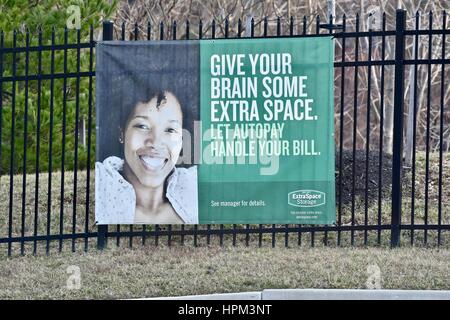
x,y
321,294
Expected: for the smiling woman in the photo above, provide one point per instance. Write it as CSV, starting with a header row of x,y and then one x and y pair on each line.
x,y
146,187
146,110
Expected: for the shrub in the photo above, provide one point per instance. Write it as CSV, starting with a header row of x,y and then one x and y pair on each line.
x,y
33,20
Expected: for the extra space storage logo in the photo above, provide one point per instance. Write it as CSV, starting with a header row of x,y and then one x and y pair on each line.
x,y
306,198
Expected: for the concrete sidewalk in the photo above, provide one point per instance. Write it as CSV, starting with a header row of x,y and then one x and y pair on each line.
x,y
321,294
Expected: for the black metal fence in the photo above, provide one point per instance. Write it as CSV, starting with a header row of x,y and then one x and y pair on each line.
x,y
379,200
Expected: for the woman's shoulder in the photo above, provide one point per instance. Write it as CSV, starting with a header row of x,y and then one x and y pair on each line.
x,y
182,193
111,163
114,196
189,172
186,180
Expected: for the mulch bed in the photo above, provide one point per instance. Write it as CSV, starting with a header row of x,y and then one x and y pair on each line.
x,y
357,175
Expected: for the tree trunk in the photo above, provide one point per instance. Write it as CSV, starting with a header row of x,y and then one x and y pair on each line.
x,y
410,123
388,129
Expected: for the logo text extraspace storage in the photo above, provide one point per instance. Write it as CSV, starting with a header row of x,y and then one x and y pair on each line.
x,y
306,198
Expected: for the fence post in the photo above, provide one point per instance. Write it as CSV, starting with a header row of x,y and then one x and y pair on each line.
x,y
108,28
397,149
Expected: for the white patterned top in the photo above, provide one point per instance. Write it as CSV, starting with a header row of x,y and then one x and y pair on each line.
x,y
116,200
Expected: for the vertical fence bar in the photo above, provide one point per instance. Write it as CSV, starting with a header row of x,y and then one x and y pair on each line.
x,y
169,235
252,27
341,131
441,127
428,116
169,231
274,229
286,235
266,24
366,191
227,27
208,233
278,26
89,142
183,226
156,234
11,158
195,235
239,30
317,24
397,150
317,32
299,226
38,137
413,169
108,28
136,31
208,226
380,155
261,226
247,226
299,234
1,95
278,33
291,26
325,238
304,24
25,137
75,165
286,226
200,36
187,29
136,36
355,125
122,38
50,143
63,143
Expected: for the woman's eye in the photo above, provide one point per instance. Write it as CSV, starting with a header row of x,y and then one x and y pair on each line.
x,y
171,130
142,126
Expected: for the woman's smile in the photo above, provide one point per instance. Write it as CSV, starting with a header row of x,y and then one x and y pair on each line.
x,y
152,163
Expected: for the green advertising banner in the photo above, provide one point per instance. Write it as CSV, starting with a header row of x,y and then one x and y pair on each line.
x,y
268,131
222,131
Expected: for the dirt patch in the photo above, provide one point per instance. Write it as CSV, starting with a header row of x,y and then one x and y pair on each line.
x,y
355,175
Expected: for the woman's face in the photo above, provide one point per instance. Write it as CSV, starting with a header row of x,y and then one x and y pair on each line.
x,y
153,140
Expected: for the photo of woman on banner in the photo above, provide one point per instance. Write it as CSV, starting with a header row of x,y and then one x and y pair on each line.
x,y
144,173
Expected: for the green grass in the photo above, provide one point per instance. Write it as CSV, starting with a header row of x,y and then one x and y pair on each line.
x,y
147,271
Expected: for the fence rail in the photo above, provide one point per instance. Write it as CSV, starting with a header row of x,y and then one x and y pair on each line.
x,y
47,104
